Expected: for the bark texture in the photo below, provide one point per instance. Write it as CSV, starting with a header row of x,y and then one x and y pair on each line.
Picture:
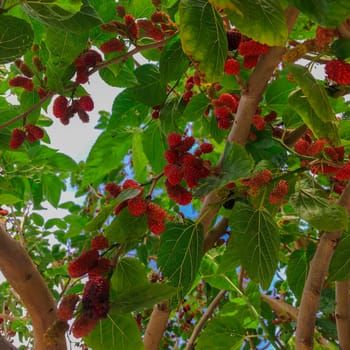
x,y
342,313
19,270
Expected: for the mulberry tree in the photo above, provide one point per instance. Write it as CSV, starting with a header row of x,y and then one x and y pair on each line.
x,y
212,210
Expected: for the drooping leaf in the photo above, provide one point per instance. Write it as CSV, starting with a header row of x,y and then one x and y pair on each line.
x,y
107,210
8,199
105,155
52,15
339,269
258,240
170,115
297,269
300,104
149,90
138,298
203,37
16,38
126,227
312,206
52,188
328,13
180,253
263,21
27,100
154,145
139,160
173,62
115,332
316,95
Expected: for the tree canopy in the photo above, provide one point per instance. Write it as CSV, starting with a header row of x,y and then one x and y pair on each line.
x,y
212,210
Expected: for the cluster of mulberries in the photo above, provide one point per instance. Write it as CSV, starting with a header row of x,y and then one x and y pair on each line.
x,y
23,82
32,133
338,71
190,83
138,206
66,309
251,51
157,27
64,109
84,63
305,146
224,108
232,66
182,165
324,37
95,306
258,180
278,192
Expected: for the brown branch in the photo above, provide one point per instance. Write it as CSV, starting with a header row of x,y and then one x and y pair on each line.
x,y
156,326
313,286
19,270
6,345
342,314
204,319
281,308
218,230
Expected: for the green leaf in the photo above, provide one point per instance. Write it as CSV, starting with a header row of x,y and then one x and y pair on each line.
x,y
339,269
221,333
328,13
16,38
170,115
52,187
138,8
101,217
237,164
196,107
311,205
180,253
129,273
316,95
297,269
115,332
27,100
173,62
203,37
341,48
9,199
149,90
258,240
105,155
140,297
52,15
300,104
263,20
126,227
154,145
139,159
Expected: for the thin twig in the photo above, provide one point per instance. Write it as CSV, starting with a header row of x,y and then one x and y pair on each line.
x,y
204,319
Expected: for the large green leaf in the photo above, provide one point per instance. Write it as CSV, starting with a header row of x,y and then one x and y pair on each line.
x,y
139,159
129,273
126,227
312,206
138,8
173,62
180,253
258,240
140,297
101,217
16,38
115,332
237,164
149,90
196,107
300,104
170,115
262,20
203,37
105,155
8,199
52,188
328,13
52,15
339,269
341,48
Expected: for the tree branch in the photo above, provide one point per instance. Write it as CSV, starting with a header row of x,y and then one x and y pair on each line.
x,y
6,345
26,280
217,231
156,326
313,286
342,314
204,319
